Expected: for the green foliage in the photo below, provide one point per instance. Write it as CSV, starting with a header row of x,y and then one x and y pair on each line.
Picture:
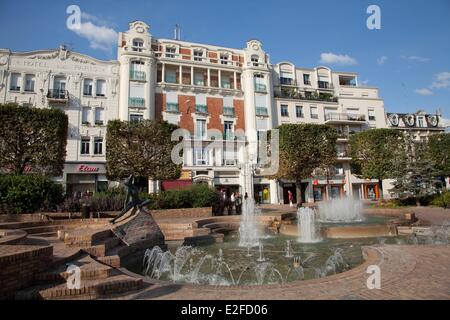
x,y
414,172
28,193
375,152
304,148
32,139
442,200
439,152
140,148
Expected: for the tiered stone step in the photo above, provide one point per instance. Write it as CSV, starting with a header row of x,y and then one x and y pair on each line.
x,y
89,289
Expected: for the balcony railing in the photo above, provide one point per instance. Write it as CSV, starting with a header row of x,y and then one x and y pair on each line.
x,y
228,136
57,94
201,108
345,117
137,75
136,102
228,111
287,81
262,111
171,107
259,87
294,94
324,85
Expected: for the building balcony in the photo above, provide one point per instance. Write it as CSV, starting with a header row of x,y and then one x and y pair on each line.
x,y
57,96
136,102
262,112
172,107
201,108
293,93
137,75
342,118
229,112
261,88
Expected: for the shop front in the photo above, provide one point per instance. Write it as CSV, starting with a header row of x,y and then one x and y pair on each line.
x,y
80,178
262,193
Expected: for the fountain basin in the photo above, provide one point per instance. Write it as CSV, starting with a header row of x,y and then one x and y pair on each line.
x,y
347,232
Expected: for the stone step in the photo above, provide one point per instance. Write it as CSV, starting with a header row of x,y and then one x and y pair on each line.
x,y
50,234
43,229
90,270
92,289
111,260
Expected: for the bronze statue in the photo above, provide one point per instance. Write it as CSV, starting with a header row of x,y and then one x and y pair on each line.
x,y
132,199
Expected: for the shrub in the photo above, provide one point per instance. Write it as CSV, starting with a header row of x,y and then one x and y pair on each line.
x,y
29,193
442,200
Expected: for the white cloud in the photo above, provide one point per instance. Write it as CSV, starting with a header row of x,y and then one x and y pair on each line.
x,y
331,58
381,60
441,80
96,32
424,92
416,58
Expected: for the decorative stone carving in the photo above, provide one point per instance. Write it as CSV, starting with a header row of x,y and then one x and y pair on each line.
x,y
3,60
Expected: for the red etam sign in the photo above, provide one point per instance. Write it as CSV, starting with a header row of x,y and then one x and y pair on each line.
x,y
84,168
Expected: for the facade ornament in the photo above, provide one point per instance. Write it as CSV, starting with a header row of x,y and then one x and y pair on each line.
x,y
393,119
433,120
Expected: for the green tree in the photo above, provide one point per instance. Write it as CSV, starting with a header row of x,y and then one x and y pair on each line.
x,y
142,148
304,148
439,152
375,154
32,139
414,171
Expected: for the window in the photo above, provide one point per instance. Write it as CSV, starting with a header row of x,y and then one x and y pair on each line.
x,y
260,86
85,115
16,80
99,116
199,79
224,58
98,146
286,78
200,129
228,130
171,76
85,142
339,169
29,83
100,88
421,122
87,87
306,79
198,55
200,157
284,110
314,114
59,85
136,117
138,45
299,111
372,115
255,60
170,52
225,83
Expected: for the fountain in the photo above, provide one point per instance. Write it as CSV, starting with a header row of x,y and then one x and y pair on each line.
x,y
345,210
288,249
306,223
249,234
261,253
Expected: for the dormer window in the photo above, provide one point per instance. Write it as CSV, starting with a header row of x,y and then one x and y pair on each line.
x,y
198,55
170,52
255,60
224,58
138,45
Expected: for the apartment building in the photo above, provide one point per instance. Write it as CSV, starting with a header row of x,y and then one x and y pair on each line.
x,y
85,88
323,96
202,89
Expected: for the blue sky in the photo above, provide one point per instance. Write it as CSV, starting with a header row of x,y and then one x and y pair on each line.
x,y
408,59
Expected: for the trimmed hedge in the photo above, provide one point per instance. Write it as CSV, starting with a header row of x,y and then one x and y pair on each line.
x,y
197,196
442,200
28,193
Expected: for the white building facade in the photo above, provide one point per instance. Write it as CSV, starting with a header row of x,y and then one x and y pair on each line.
x,y
223,98
85,88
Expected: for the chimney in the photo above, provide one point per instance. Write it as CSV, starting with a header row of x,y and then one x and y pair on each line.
x,y
177,32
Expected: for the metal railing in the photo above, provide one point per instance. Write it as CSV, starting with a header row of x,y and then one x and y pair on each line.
x,y
171,107
201,108
262,111
345,117
57,94
137,75
228,111
136,102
